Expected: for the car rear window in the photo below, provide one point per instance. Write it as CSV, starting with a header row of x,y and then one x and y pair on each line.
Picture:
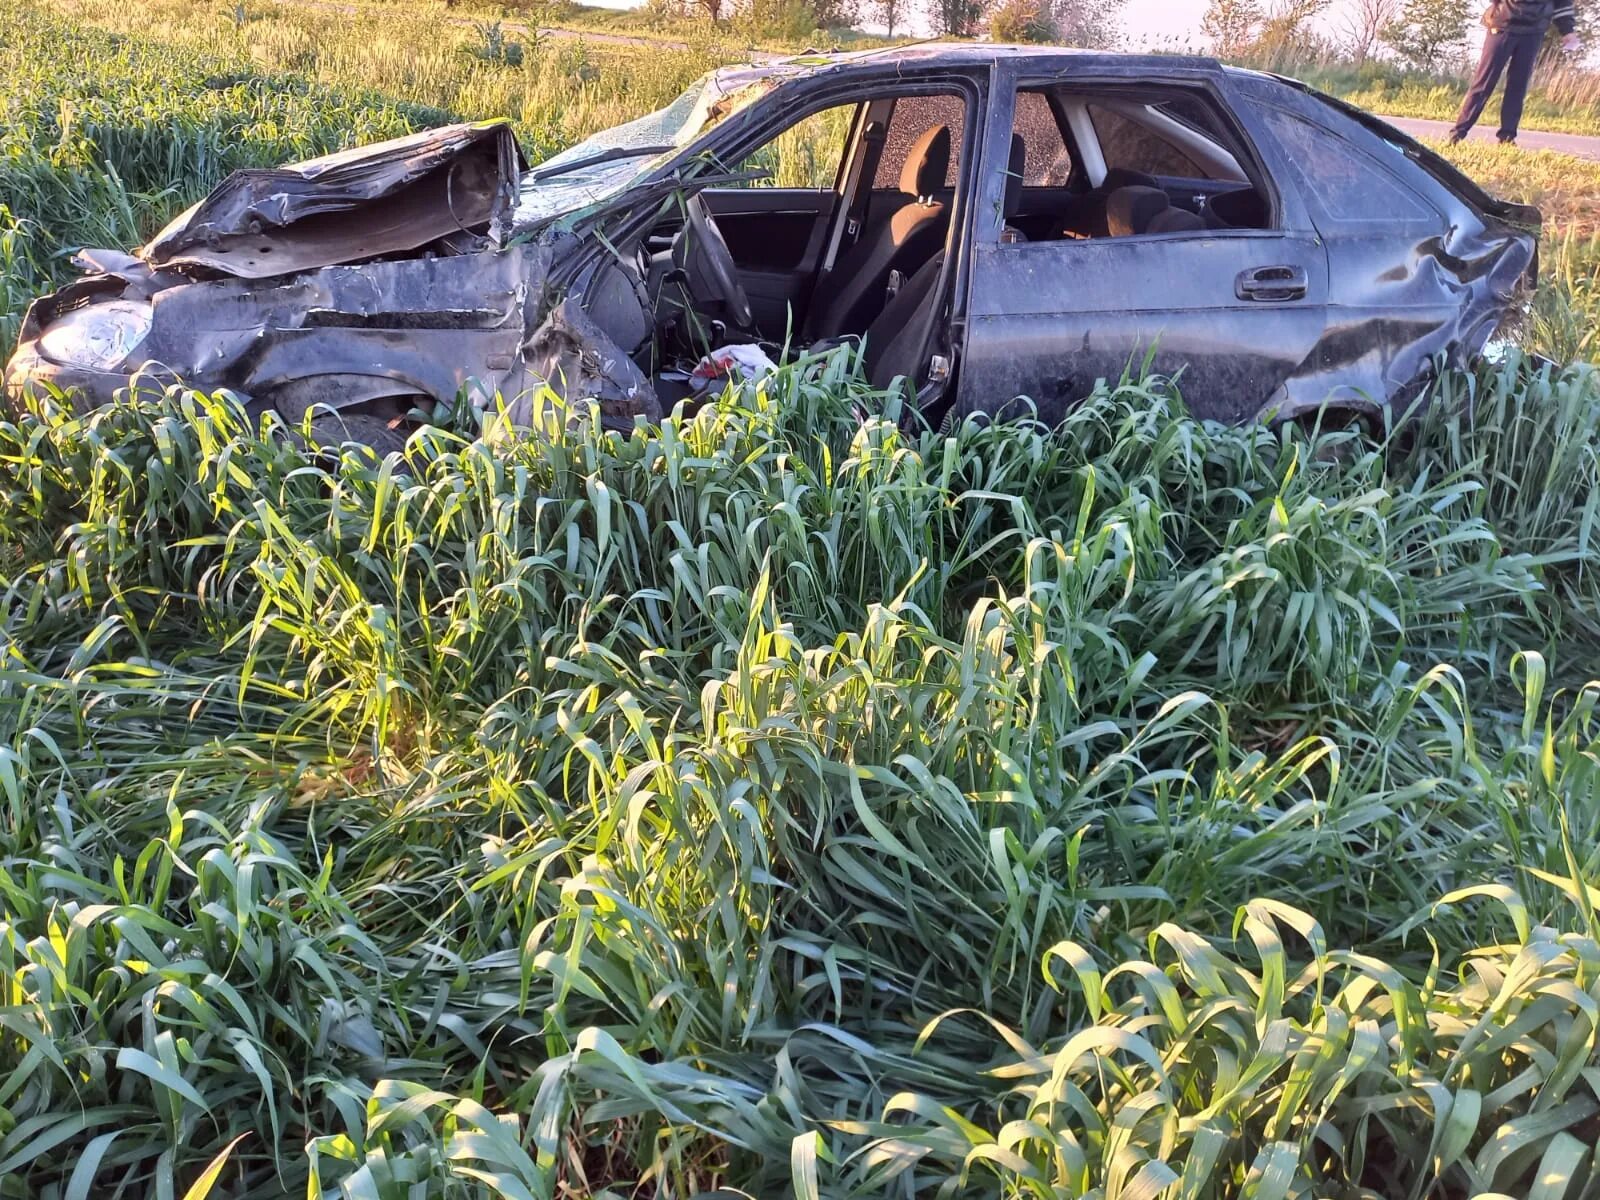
x,y
1338,180
1049,163
912,117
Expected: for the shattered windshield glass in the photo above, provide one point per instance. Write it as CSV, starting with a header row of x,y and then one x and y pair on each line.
x,y
562,184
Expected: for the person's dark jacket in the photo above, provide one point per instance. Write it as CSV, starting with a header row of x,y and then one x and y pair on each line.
x,y
1531,16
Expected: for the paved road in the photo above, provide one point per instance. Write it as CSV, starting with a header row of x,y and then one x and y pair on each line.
x,y
1562,143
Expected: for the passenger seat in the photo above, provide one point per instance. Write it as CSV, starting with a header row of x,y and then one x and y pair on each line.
x,y
897,340
1177,220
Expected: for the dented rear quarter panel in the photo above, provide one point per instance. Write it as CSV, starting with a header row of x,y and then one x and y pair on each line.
x,y
1418,276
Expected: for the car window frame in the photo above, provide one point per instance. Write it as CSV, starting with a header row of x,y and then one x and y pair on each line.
x,y
1063,130
847,149
1245,148
976,83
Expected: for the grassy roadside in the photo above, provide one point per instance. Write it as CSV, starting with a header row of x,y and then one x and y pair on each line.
x,y
1562,99
643,22
782,798
1565,188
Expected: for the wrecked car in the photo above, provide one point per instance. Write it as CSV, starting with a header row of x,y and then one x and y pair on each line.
x,y
985,222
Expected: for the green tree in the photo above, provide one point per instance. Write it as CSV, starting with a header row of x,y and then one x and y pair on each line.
x,y
1362,26
1286,32
1430,35
889,13
957,18
1231,26
1022,21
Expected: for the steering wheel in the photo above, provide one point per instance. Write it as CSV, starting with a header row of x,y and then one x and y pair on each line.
x,y
710,260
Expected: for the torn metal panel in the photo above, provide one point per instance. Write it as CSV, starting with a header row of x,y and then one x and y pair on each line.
x,y
420,328
392,197
575,359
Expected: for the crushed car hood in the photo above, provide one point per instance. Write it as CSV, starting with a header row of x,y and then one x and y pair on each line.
x,y
386,198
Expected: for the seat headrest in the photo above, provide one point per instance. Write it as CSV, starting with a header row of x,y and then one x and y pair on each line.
x,y
1130,210
1177,220
928,163
1014,172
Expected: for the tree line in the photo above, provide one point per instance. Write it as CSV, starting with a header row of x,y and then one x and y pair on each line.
x,y
1090,23
1423,35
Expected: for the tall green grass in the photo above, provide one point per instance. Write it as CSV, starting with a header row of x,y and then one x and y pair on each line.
x,y
105,138
781,799
787,798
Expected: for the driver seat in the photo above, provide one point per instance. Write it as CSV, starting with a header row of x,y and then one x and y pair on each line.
x,y
850,296
897,340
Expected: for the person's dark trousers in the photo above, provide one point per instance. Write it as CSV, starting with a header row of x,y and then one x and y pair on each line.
x,y
1513,55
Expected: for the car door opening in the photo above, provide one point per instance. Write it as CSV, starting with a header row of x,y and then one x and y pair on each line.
x,y
835,230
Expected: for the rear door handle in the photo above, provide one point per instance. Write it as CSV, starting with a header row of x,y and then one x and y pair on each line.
x,y
1272,285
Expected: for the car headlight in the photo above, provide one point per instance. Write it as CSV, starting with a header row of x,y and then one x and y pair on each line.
x,y
98,336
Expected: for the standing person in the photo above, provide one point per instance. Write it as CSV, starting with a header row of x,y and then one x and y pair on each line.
x,y
1516,31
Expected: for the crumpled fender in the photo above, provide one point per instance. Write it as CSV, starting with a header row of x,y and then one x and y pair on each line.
x,y
424,326
478,325
572,356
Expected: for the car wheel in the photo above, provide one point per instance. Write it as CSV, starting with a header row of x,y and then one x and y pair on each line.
x,y
333,428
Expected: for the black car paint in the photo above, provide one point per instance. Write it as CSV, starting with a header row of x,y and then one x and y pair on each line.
x,y
1383,305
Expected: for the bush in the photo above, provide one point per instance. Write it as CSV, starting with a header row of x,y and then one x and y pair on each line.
x,y
1022,21
791,21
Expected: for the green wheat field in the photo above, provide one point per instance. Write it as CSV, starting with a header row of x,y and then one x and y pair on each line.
x,y
786,799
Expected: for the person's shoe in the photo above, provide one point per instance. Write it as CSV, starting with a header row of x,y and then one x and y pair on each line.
x,y
1507,141
1455,139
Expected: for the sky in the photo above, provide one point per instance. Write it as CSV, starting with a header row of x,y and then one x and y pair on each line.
x,y
1160,20
1163,24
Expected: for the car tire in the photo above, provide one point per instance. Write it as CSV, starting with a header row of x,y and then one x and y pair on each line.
x,y
333,428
